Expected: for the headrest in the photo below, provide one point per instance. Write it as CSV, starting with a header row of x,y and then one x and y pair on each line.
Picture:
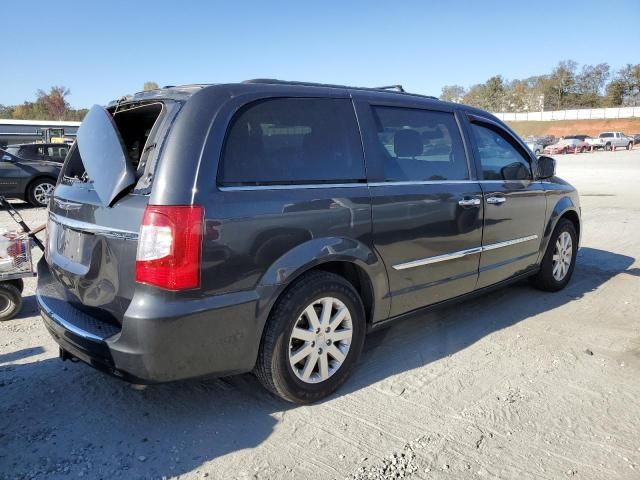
x,y
407,143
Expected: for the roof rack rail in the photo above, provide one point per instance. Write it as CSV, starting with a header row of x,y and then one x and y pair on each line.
x,y
393,87
273,81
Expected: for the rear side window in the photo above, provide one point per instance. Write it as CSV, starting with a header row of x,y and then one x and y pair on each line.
x,y
293,141
499,158
420,145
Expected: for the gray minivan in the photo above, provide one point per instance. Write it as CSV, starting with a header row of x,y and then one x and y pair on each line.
x,y
267,226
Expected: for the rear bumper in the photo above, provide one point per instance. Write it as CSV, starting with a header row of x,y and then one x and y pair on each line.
x,y
161,339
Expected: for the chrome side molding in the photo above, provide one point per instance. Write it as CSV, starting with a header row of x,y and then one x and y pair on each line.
x,y
462,253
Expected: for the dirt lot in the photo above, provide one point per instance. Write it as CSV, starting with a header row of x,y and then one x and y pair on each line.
x,y
560,128
517,384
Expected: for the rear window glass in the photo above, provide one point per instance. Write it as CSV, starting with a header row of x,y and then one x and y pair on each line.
x,y
293,141
134,126
420,145
605,135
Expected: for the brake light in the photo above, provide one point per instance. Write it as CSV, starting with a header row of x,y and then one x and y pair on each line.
x,y
169,246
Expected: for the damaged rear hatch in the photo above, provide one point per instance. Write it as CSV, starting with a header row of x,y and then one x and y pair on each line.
x,y
96,212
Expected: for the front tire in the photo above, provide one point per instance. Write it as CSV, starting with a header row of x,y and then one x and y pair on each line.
x,y
39,191
559,260
10,301
313,338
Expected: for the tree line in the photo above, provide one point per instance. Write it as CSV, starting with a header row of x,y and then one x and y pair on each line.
x,y
566,87
52,105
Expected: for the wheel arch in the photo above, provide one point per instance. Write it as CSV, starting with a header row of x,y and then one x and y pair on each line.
x,y
564,208
348,258
35,179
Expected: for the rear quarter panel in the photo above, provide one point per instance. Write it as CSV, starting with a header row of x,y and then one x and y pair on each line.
x,y
260,239
562,198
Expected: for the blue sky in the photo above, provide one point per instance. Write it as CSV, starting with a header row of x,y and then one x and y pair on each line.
x,y
101,50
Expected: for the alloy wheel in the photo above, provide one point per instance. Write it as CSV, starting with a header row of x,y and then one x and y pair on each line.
x,y
562,256
42,191
320,340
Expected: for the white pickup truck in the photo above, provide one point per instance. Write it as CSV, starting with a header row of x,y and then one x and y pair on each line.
x,y
609,140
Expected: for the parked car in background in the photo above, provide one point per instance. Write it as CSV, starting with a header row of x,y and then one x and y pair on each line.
x,y
566,145
30,180
282,221
609,140
636,138
51,152
535,146
577,137
547,140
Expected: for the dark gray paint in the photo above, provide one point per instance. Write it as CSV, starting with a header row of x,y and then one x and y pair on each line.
x,y
103,155
259,240
16,174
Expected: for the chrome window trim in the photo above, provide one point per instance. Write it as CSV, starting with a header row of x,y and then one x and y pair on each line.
x,y
305,186
462,253
420,182
93,229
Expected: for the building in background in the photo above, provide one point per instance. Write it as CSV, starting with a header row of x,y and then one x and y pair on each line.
x,y
26,131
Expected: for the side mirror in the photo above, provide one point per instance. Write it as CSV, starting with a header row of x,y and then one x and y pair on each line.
x,y
546,167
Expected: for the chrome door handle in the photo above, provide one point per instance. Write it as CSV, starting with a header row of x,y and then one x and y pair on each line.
x,y
496,200
469,202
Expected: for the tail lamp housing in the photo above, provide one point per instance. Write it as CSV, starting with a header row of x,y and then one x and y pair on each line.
x,y
170,246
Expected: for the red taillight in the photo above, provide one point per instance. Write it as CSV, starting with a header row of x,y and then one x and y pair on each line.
x,y
169,246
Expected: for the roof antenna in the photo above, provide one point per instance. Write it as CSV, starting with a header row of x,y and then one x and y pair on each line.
x,y
392,87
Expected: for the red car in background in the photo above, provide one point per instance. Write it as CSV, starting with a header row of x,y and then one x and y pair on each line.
x,y
568,145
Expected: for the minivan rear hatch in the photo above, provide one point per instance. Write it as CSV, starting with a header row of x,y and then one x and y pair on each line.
x,y
98,205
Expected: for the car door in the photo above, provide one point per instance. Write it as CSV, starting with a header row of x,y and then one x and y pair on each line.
x,y
426,209
514,203
11,174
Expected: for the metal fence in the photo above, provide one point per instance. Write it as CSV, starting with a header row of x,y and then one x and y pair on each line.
x,y
581,114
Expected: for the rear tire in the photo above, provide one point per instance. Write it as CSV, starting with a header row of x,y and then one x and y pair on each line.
x,y
10,301
318,373
39,190
559,259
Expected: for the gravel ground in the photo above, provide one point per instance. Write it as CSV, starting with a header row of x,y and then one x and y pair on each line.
x,y
518,383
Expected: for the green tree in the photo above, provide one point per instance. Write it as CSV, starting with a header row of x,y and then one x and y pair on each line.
x,y
590,84
55,102
47,106
150,86
452,93
629,75
615,93
6,111
559,86
476,96
494,92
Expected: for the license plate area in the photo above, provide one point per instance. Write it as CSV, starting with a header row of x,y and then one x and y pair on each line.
x,y
73,245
